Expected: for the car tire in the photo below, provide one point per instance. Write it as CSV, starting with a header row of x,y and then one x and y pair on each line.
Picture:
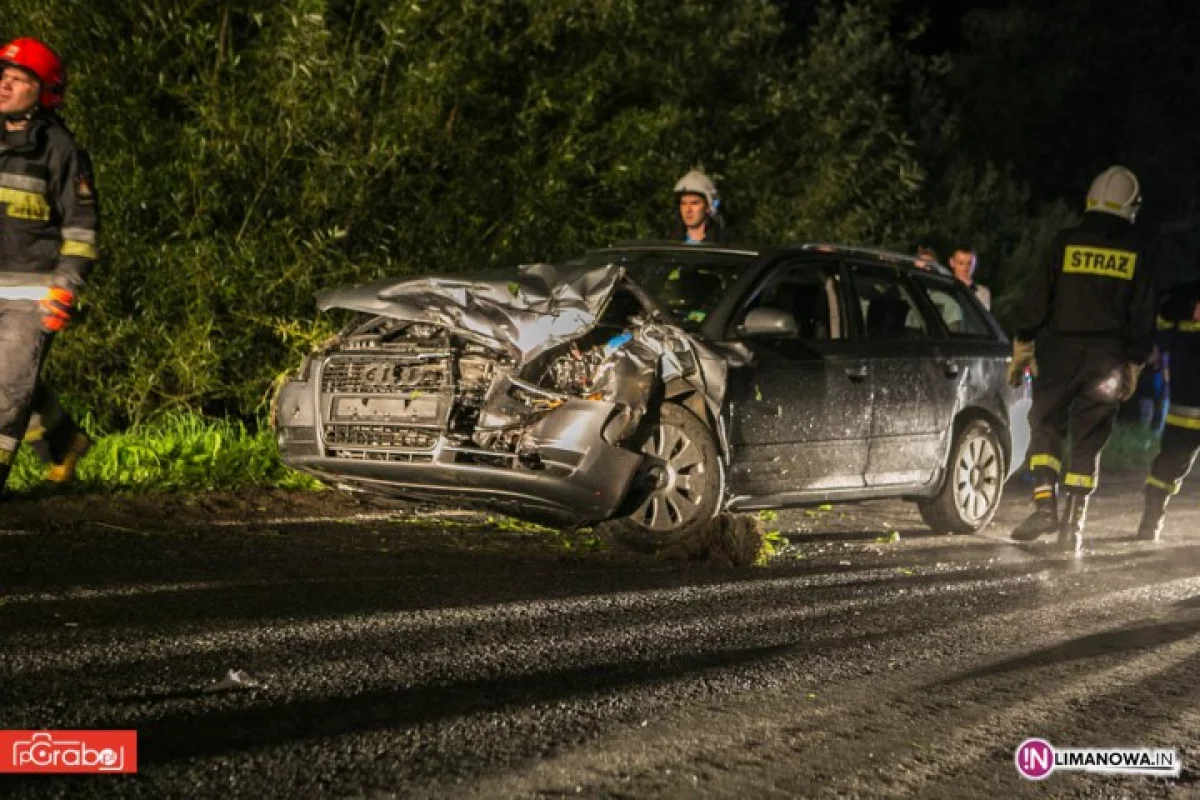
x,y
974,483
679,489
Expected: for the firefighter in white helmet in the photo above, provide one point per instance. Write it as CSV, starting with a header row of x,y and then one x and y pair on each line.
x,y
697,210
1093,299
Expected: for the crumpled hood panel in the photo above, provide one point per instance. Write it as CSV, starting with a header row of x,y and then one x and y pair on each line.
x,y
543,306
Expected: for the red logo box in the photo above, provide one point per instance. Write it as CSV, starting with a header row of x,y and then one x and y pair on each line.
x,y
94,752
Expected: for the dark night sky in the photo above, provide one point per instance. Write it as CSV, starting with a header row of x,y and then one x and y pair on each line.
x,y
945,29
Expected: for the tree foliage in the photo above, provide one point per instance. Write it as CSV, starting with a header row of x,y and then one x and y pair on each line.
x,y
251,153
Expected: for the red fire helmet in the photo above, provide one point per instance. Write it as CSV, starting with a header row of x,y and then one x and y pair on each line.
x,y
43,63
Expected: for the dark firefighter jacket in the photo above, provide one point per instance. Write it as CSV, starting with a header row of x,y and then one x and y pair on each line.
x,y
1096,283
1179,335
49,218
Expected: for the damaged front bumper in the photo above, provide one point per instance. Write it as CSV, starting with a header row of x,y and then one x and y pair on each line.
x,y
567,466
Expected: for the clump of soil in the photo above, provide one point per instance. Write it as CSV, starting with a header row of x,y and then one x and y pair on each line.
x,y
728,541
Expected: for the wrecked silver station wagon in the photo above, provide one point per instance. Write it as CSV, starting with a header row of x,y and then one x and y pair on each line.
x,y
654,385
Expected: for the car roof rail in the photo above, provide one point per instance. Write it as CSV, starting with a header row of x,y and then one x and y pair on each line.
x,y
899,259
670,244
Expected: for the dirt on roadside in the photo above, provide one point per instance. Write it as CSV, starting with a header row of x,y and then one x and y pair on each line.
x,y
137,511
728,543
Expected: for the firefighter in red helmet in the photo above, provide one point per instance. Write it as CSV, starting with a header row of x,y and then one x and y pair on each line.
x,y
49,222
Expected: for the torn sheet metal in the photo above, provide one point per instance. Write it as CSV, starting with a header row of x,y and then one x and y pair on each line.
x,y
681,356
544,306
548,311
511,402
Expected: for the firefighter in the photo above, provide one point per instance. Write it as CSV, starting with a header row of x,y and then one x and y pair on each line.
x,y
1179,335
1093,297
48,230
697,210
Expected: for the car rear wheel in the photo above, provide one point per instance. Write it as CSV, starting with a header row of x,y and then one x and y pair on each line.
x,y
974,482
679,487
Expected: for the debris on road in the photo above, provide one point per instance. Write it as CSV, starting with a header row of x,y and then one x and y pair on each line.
x,y
234,680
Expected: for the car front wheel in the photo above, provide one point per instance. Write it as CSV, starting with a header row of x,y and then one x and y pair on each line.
x,y
679,487
974,482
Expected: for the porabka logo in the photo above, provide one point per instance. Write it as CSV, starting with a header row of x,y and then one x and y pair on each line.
x,y
1035,759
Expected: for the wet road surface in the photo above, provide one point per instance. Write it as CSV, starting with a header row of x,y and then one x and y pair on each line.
x,y
409,656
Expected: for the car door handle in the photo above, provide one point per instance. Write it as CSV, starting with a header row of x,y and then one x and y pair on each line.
x,y
950,368
857,373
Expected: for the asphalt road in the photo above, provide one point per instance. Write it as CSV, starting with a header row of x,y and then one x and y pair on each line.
x,y
415,656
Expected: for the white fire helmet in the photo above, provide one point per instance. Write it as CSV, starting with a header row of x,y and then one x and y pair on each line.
x,y
1115,191
696,182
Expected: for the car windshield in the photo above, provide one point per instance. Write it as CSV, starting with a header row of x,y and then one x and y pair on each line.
x,y
689,285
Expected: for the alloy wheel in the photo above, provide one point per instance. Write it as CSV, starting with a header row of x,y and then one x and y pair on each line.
x,y
675,479
977,478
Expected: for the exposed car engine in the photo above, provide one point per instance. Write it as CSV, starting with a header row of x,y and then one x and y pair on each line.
x,y
391,384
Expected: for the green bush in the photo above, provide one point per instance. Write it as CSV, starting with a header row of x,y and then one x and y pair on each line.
x,y
174,451
250,153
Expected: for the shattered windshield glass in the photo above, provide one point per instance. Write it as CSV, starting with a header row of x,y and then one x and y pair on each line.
x,y
689,285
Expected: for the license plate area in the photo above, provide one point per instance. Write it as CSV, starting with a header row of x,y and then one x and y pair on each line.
x,y
416,408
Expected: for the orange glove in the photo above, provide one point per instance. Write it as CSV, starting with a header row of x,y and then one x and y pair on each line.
x,y
56,309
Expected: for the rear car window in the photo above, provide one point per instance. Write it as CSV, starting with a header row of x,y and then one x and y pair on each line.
x,y
889,310
961,316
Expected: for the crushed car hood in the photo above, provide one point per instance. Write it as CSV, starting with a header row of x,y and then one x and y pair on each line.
x,y
543,306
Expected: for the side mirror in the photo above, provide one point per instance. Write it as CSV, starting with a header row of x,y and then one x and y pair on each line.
x,y
769,322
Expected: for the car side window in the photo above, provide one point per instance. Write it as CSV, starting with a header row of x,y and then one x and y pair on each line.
x,y
888,309
961,316
810,294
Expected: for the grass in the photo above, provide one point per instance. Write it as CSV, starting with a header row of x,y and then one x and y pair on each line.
x,y
175,452
773,540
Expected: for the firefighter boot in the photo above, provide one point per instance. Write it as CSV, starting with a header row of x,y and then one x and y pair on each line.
x,y
1070,535
63,471
1044,518
1153,515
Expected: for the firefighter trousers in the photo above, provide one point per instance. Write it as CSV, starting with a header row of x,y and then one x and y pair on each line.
x,y
1076,392
1176,455
23,347
51,430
